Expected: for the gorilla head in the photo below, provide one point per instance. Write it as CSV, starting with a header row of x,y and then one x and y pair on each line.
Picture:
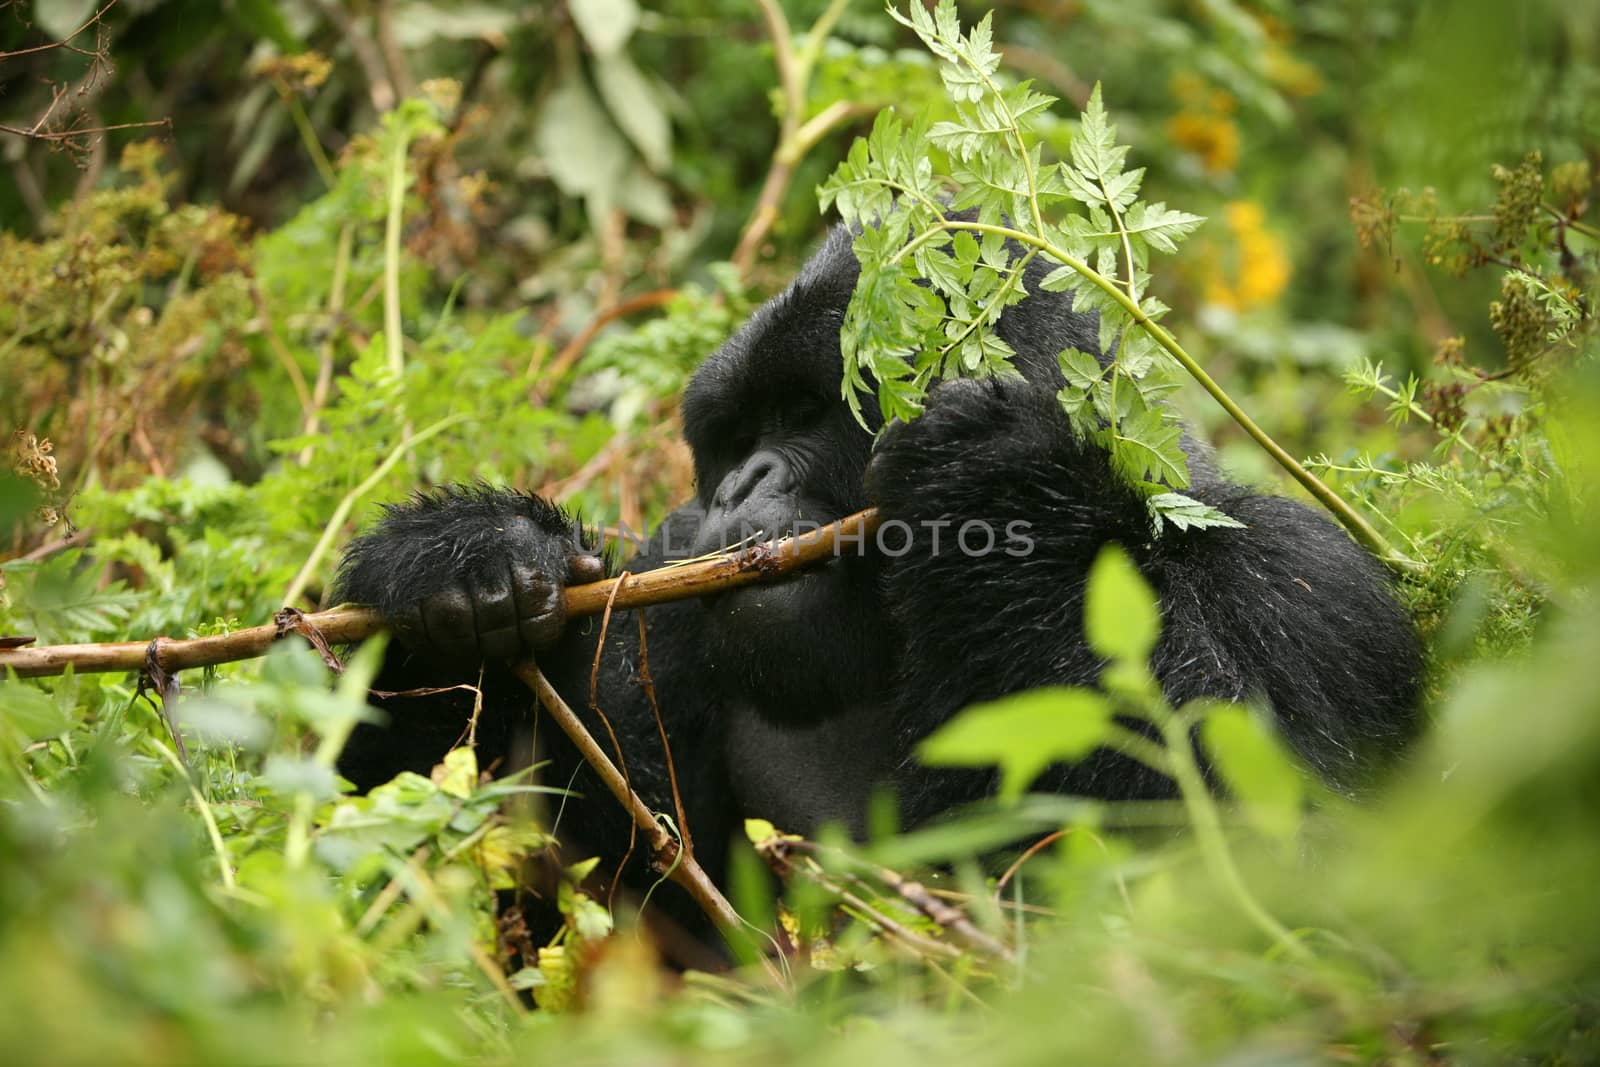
x,y
776,452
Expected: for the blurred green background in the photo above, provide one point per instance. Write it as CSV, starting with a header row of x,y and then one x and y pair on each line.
x,y
216,212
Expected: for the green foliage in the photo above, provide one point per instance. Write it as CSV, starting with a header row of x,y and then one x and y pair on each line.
x,y
1501,462
974,244
1022,734
1120,616
1250,761
193,341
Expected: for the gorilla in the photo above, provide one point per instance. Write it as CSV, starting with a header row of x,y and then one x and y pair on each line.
x,y
794,700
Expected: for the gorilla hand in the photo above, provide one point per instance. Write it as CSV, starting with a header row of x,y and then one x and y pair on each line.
x,y
470,573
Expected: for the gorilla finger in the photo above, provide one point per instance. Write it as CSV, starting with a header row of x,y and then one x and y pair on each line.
x,y
541,609
585,568
407,626
450,624
539,633
504,643
531,591
494,604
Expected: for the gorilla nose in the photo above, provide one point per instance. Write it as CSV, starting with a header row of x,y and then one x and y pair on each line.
x,y
764,474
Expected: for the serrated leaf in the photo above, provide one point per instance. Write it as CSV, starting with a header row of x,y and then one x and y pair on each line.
x,y
1147,449
1080,369
1123,189
1187,513
1095,152
1137,352
1059,280
1159,226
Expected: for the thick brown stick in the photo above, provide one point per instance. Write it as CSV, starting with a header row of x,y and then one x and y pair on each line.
x,y
349,624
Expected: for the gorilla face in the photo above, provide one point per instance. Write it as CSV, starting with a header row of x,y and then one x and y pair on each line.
x,y
775,446
773,441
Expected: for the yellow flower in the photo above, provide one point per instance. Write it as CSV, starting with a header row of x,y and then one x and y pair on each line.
x,y
1254,269
1212,137
1204,124
1291,74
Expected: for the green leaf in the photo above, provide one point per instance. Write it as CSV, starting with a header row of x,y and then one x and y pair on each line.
x,y
1147,448
64,599
1022,734
60,18
1095,152
635,105
605,25
1137,353
1187,513
1059,280
30,712
460,773
1255,767
580,146
1120,615
1159,226
1080,369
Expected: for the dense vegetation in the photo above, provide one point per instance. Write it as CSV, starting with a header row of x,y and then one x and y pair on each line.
x,y
266,264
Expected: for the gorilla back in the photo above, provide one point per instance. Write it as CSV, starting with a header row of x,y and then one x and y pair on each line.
x,y
790,701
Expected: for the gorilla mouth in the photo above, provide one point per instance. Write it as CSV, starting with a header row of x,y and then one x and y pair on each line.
x,y
731,532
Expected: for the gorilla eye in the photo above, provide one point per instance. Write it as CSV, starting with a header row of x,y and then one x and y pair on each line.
x,y
804,411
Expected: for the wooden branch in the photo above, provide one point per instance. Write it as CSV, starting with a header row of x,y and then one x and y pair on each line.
x,y
345,625
574,348
671,859
953,920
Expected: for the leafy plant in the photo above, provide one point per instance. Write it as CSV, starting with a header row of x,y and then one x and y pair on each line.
x,y
974,246
1027,732
223,350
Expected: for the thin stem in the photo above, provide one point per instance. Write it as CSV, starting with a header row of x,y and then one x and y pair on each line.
x,y
319,392
814,40
347,625
1573,224
1015,130
1352,520
819,125
675,860
308,135
794,138
393,342
280,350
783,56
1202,809
341,514
1139,747
213,831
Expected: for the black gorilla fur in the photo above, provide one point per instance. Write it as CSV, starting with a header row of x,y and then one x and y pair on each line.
x,y
789,701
